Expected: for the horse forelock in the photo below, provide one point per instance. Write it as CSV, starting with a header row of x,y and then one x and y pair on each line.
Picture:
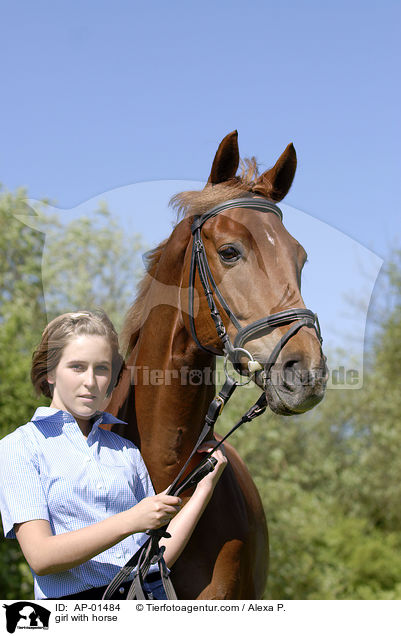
x,y
194,202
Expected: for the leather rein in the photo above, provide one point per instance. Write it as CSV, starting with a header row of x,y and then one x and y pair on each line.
x,y
151,553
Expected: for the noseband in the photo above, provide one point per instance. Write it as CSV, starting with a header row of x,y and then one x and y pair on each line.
x,y
300,317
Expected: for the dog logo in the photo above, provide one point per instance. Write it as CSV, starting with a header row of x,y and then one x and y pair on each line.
x,y
26,615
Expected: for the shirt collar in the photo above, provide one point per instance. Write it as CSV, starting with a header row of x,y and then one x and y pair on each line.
x,y
50,413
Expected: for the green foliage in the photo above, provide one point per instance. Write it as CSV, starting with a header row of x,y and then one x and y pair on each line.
x,y
330,480
46,268
22,315
90,262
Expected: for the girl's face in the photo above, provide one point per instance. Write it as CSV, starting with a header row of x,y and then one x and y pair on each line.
x,y
82,377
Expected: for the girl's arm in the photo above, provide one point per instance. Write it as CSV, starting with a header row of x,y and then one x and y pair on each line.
x,y
183,525
48,554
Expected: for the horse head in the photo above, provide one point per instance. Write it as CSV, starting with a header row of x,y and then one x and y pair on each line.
x,y
244,270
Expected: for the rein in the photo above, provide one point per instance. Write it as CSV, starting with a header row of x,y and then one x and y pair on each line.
x,y
151,553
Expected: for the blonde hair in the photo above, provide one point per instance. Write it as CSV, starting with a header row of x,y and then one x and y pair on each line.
x,y
57,335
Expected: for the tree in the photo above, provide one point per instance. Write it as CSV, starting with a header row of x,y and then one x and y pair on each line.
x,y
21,322
22,315
87,262
48,267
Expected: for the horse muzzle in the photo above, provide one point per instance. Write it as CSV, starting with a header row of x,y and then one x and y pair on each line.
x,y
291,385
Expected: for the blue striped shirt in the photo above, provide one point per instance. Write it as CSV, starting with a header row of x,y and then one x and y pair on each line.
x,y
48,470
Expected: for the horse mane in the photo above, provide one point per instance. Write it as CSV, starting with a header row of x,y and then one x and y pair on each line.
x,y
133,318
191,202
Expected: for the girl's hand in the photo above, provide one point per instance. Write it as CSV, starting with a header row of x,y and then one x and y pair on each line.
x,y
183,525
210,480
154,512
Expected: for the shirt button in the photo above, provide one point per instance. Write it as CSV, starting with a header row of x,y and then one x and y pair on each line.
x,y
121,590
87,459
99,486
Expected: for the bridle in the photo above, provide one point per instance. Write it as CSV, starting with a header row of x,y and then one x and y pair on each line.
x,y
151,553
233,351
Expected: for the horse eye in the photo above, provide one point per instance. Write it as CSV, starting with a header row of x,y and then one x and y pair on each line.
x,y
229,254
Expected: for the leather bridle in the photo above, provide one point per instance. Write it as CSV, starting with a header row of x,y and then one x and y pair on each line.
x,y
233,351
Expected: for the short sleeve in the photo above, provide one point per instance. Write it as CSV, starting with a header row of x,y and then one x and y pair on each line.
x,y
21,493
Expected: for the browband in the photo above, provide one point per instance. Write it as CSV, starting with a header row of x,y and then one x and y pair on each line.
x,y
253,203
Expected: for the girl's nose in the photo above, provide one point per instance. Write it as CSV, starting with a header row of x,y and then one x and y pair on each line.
x,y
89,378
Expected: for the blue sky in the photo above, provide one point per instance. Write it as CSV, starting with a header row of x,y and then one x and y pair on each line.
x,y
102,95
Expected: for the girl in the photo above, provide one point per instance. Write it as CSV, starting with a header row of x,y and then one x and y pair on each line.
x,y
77,497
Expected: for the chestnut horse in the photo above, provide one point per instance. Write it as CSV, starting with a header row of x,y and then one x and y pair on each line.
x,y
167,386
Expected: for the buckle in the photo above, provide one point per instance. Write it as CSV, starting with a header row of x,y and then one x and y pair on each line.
x,y
218,398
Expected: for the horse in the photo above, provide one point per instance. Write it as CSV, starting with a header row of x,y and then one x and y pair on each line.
x,y
172,342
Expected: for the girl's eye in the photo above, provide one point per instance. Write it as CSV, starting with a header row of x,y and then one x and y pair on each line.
x,y
102,368
229,254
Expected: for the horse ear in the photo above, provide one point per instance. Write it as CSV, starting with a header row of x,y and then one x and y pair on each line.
x,y
226,160
275,183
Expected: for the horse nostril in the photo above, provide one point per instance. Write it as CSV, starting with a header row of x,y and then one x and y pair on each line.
x,y
294,375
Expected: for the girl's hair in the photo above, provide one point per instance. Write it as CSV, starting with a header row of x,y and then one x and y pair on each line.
x,y
57,335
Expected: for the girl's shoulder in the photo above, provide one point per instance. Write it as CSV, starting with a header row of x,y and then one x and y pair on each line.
x,y
17,434
18,441
29,436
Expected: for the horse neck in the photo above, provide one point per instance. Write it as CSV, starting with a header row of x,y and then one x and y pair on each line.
x,y
174,384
